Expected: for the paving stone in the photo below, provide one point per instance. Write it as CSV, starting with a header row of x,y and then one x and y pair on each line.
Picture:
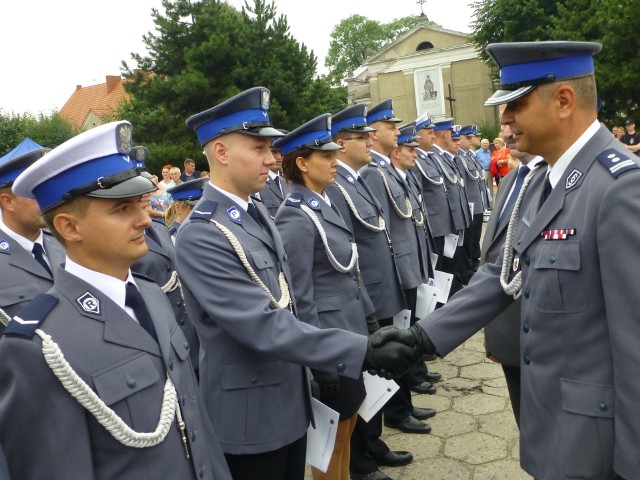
x,y
462,358
501,424
495,391
479,404
423,447
457,387
436,469
482,371
447,370
514,448
476,448
496,382
476,344
438,402
449,424
501,470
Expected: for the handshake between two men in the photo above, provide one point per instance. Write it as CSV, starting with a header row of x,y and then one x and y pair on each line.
x,y
392,352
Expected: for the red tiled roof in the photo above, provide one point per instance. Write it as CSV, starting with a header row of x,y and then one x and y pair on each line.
x,y
100,99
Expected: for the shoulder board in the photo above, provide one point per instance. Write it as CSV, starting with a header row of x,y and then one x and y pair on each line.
x,y
616,162
294,200
28,319
143,277
204,210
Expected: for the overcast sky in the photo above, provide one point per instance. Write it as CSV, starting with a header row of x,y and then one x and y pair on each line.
x,y
49,47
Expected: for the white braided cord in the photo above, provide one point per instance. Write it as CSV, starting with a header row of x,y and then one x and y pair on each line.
x,y
420,222
400,213
285,299
172,283
79,389
323,235
515,286
451,179
464,164
4,318
433,182
354,210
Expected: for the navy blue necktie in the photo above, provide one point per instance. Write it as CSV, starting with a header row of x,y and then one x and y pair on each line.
x,y
523,171
38,254
253,211
546,191
135,302
277,180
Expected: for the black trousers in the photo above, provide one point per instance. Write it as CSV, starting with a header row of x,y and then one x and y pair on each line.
x,y
512,376
366,444
286,463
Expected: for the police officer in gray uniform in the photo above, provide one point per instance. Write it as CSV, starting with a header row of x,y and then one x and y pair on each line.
x,y
570,254
28,253
251,344
363,214
389,185
98,367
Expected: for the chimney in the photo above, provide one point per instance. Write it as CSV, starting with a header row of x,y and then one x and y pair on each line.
x,y
78,87
112,82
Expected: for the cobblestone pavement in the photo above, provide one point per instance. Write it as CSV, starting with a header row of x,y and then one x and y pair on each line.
x,y
474,435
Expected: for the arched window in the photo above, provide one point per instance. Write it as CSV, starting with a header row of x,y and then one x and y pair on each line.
x,y
424,46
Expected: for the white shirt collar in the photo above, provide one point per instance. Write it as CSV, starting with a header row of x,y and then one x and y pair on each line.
x,y
401,173
534,162
234,198
349,169
272,175
110,286
20,240
440,150
556,172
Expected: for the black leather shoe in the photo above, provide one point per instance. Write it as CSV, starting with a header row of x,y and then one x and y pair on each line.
x,y
433,377
394,459
423,413
424,387
377,475
409,425
429,358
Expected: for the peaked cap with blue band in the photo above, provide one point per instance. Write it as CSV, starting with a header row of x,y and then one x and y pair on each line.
x,y
247,112
525,65
96,163
382,112
351,119
444,124
424,121
189,191
315,134
408,135
469,130
12,168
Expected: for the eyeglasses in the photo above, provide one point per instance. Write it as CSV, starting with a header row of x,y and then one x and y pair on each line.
x,y
362,137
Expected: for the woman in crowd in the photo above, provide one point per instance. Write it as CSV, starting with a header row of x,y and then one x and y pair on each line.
x,y
166,179
158,201
185,196
499,160
324,266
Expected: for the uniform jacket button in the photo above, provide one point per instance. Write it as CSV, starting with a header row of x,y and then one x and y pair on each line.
x,y
340,367
526,293
131,383
187,346
527,360
193,435
526,260
201,472
603,406
254,379
171,365
179,303
525,328
552,259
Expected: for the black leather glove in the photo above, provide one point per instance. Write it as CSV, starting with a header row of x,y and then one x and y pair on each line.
x,y
372,325
391,352
422,340
328,384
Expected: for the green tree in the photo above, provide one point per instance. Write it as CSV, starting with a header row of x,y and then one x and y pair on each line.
x,y
202,53
356,38
46,130
613,23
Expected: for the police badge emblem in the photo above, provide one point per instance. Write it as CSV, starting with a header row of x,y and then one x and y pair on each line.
x,y
350,178
328,123
265,99
572,179
4,246
89,303
313,202
234,214
124,141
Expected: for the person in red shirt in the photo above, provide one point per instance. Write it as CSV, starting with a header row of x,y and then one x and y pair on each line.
x,y
499,160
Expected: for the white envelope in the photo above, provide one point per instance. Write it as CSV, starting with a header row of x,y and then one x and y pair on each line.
x,y
379,391
450,244
322,439
427,299
402,319
443,285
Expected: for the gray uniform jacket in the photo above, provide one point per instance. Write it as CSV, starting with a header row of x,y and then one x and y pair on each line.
x,y
440,196
271,196
159,264
22,276
473,180
256,391
482,181
579,322
125,367
410,257
325,297
502,335
377,263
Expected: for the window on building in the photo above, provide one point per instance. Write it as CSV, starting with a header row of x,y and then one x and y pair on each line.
x,y
424,46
